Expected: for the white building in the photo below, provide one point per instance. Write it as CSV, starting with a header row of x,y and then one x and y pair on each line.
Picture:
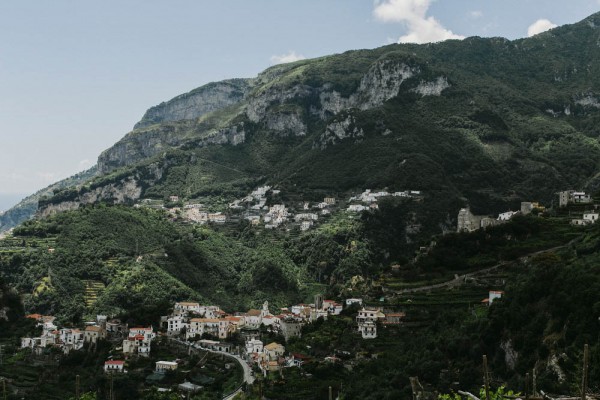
x,y
176,324
112,366
493,295
164,366
254,346
505,216
590,217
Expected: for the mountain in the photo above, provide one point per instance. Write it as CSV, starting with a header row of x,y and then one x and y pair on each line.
x,y
486,121
27,207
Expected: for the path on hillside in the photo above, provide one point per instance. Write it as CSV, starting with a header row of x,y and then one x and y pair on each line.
x,y
459,279
248,374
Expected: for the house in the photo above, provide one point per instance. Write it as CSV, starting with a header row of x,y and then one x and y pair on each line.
x,y
189,387
217,218
394,318
273,351
253,318
254,346
173,199
570,196
356,208
592,217
213,326
290,327
215,345
351,301
467,221
493,295
306,225
139,341
505,216
112,366
329,200
70,339
369,314
367,319
164,366
115,326
93,333
368,330
176,324
184,307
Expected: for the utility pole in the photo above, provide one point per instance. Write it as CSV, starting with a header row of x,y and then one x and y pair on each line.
x,y
77,387
1,354
4,388
330,393
486,378
584,379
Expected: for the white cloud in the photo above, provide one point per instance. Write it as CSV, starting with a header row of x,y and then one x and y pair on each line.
x,y
539,26
287,58
478,14
413,13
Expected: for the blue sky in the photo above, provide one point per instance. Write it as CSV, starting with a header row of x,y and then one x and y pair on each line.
x,y
76,75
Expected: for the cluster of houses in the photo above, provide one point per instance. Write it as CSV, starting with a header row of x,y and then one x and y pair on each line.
x,y
568,197
67,339
367,200
192,320
277,215
469,222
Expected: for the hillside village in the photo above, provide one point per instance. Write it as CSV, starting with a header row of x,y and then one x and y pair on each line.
x,y
261,208
585,210
207,328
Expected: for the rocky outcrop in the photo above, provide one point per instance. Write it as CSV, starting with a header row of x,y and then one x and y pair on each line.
x,y
339,130
286,124
143,144
126,191
201,101
381,83
433,88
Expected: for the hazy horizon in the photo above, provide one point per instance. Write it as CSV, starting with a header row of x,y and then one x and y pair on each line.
x,y
7,200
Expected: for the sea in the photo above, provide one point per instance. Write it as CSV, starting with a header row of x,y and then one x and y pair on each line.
x,y
7,200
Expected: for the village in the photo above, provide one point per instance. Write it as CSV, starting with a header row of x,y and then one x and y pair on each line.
x,y
578,203
208,328
259,208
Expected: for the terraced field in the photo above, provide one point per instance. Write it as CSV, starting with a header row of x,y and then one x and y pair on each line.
x,y
92,290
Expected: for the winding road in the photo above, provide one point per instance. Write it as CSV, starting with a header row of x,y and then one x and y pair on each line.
x,y
458,279
248,374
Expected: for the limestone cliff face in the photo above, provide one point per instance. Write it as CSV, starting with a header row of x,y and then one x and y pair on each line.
x,y
128,190
142,144
201,101
271,101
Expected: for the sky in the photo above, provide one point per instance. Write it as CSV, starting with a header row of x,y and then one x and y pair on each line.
x,y
76,75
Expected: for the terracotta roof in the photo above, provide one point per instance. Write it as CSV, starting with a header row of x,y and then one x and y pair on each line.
x,y
253,313
34,316
273,346
114,362
400,314
204,320
93,329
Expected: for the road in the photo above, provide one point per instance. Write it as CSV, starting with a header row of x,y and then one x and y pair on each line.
x,y
248,374
458,279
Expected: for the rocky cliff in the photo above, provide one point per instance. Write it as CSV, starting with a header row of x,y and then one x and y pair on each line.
x,y
489,120
201,101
